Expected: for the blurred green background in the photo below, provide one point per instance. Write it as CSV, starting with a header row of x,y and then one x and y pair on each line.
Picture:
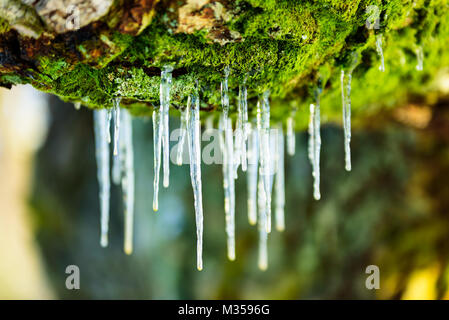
x,y
390,211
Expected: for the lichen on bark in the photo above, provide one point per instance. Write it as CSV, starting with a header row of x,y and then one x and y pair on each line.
x,y
283,46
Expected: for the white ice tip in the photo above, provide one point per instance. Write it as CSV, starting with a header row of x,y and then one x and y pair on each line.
x,y
199,267
263,266
155,207
348,168
128,249
252,221
166,183
104,240
317,196
231,256
280,228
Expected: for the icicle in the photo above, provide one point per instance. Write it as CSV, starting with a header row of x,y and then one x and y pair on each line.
x,y
262,221
229,188
194,139
109,111
345,79
346,103
161,134
102,157
315,146
263,125
227,148
127,165
224,92
380,51
253,165
166,81
77,105
291,139
116,161
242,129
116,124
280,181
184,121
420,58
157,143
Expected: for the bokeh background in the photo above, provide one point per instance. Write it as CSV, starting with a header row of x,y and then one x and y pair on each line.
x,y
392,211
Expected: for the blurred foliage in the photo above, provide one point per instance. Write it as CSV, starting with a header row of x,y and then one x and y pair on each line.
x,y
391,211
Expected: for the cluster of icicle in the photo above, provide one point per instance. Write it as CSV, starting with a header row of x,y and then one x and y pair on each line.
x,y
253,146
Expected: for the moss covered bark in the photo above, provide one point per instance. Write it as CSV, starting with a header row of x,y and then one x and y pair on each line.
x,y
283,46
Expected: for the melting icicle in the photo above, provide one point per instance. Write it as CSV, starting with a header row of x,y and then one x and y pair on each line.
x,y
227,148
315,146
242,128
420,58
184,121
229,188
161,134
346,104
127,166
262,219
291,139
263,126
102,157
253,165
345,79
116,124
109,125
380,51
194,141
166,81
224,92
77,105
157,143
280,181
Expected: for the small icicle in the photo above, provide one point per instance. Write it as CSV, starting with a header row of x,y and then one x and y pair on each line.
x,y
346,104
380,52
242,127
280,181
157,142
262,221
315,147
263,125
116,115
127,165
194,141
253,165
345,79
224,92
77,105
184,121
419,58
229,186
227,148
291,138
109,125
166,81
102,157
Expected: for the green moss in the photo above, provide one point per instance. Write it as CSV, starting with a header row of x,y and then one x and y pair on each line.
x,y
287,47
